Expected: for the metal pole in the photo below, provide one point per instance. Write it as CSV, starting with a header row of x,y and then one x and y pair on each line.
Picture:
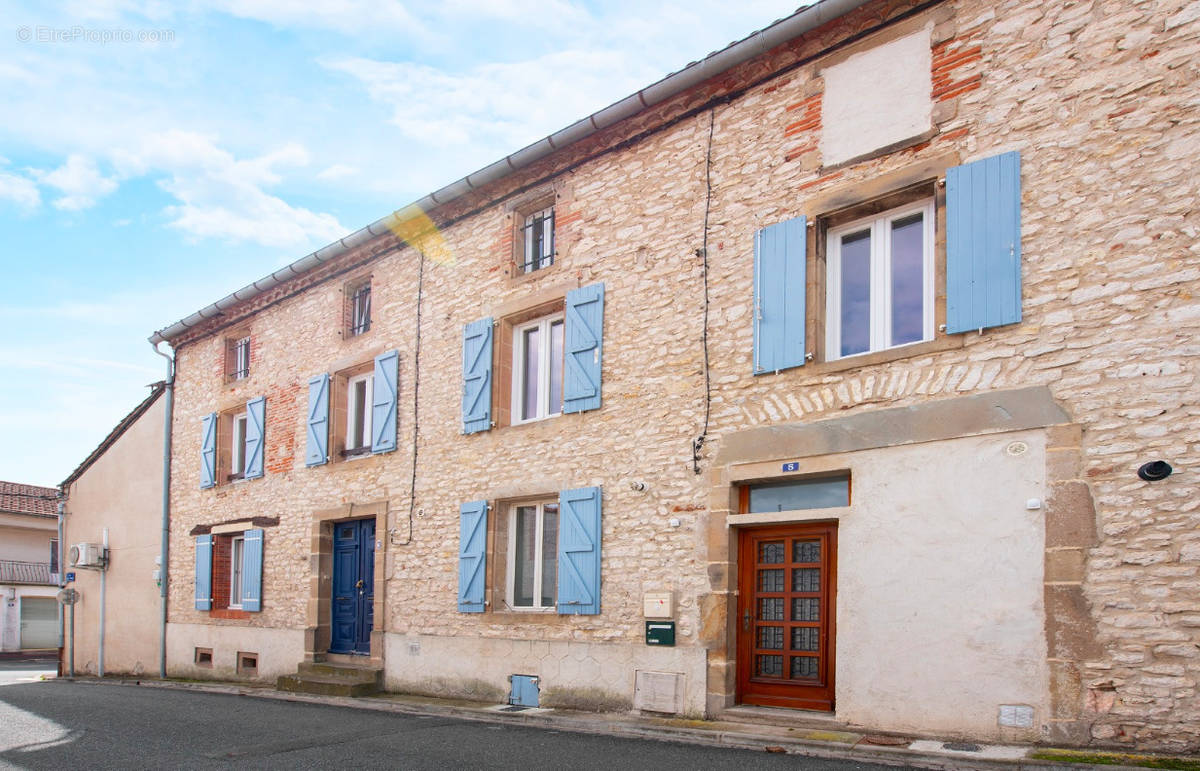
x,y
103,594
72,671
169,407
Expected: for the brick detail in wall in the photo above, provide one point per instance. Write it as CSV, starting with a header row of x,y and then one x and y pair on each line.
x,y
956,67
804,126
282,416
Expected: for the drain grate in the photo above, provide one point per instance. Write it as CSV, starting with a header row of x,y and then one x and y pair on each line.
x,y
513,708
961,746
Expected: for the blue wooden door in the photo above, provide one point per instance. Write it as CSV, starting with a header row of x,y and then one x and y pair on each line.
x,y
353,586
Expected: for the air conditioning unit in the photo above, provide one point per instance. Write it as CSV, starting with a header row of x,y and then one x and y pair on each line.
x,y
87,555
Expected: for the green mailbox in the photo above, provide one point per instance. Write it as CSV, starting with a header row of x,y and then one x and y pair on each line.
x,y
660,633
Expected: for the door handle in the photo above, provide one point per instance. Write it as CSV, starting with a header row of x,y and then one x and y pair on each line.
x,y
746,620
359,584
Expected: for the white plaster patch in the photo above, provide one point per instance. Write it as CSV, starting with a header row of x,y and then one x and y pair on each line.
x,y
876,98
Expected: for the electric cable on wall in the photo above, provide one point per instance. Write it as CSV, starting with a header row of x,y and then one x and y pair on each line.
x,y
698,442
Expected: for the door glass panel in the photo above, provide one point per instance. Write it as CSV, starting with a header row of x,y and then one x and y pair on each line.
x,y
769,666
819,493
806,551
804,667
770,580
805,638
771,553
770,609
806,609
806,580
770,637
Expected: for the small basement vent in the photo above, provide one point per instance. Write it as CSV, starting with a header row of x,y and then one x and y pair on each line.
x,y
658,692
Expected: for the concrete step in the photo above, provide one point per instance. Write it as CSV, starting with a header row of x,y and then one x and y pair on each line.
x,y
347,672
786,718
327,685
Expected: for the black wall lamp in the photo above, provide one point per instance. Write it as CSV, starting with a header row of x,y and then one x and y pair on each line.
x,y
1155,470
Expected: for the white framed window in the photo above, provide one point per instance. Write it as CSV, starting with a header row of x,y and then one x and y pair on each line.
x,y
533,546
237,447
537,369
237,547
879,291
359,393
537,237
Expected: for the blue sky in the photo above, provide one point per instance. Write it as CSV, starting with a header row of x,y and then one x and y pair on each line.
x,y
155,156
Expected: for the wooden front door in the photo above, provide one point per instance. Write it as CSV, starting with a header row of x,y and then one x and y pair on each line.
x,y
786,615
353,601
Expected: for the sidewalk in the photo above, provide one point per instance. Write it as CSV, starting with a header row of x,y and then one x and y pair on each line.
x,y
920,753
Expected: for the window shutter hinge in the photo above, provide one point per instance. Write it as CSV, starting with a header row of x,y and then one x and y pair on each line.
x,y
808,356
941,328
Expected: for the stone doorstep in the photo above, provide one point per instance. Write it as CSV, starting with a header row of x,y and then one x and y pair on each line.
x,y
745,735
332,679
349,673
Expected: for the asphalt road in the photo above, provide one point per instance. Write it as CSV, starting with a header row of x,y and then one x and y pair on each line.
x,y
59,724
26,667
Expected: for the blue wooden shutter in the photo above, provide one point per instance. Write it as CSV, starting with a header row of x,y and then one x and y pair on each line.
x,y
208,450
579,551
252,565
256,424
204,545
383,402
983,243
780,264
477,376
318,420
584,345
472,555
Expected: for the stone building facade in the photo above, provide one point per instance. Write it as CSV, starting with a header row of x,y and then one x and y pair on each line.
x,y
842,359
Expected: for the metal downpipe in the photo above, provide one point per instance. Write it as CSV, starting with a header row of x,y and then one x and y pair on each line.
x,y
166,510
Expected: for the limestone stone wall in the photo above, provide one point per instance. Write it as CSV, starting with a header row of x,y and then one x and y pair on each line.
x,y
1099,98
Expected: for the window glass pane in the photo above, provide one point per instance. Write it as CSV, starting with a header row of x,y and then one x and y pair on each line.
x,y
556,367
524,556
856,293
547,244
549,553
358,414
908,280
822,493
235,570
531,348
239,445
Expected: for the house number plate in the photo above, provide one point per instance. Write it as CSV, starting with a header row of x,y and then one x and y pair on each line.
x,y
793,466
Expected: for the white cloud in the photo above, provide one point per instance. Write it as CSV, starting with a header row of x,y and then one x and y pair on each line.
x,y
20,191
80,182
222,197
507,105
338,171
352,17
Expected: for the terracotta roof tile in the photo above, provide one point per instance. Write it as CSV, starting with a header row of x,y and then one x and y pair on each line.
x,y
16,498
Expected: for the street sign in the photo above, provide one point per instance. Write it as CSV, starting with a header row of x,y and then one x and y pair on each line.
x,y
68,596
70,576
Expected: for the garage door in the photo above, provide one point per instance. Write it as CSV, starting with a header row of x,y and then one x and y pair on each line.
x,y
39,622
